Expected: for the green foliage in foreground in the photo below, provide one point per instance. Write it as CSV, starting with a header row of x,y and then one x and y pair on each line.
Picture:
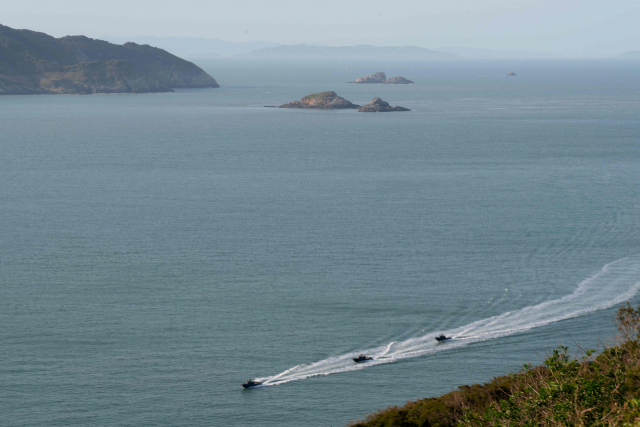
x,y
602,390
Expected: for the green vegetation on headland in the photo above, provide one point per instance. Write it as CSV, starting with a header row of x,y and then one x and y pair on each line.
x,y
36,63
592,390
321,100
322,96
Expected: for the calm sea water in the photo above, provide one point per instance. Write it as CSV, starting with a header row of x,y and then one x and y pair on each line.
x,y
158,250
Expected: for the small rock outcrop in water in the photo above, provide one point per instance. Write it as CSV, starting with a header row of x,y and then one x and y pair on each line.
x,y
398,80
323,100
380,106
511,74
373,78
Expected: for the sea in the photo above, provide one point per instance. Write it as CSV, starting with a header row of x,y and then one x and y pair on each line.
x,y
158,250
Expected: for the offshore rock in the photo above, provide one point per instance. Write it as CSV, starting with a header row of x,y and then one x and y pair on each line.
x,y
322,100
511,74
398,80
373,78
380,106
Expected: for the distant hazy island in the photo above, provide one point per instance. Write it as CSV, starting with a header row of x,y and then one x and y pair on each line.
x,y
359,52
331,100
381,77
511,74
195,47
631,55
36,63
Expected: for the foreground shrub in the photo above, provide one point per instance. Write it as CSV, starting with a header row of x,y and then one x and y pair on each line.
x,y
602,390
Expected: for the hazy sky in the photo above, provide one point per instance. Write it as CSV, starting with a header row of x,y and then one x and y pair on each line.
x,y
578,27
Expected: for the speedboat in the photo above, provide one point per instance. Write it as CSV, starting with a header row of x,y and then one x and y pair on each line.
x,y
362,358
251,383
442,337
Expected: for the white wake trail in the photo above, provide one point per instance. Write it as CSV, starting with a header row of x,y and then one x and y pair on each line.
x,y
617,282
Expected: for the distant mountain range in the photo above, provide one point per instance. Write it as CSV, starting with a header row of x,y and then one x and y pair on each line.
x,y
36,63
201,48
193,47
470,52
303,51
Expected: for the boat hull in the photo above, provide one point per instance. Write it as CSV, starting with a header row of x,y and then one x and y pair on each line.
x,y
251,385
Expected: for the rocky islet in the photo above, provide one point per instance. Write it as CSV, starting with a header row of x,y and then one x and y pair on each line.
x,y
373,78
380,106
331,100
381,78
397,80
321,100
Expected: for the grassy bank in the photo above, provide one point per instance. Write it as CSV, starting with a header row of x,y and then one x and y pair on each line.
x,y
588,390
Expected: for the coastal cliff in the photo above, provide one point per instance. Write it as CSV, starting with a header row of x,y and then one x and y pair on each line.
x,y
36,63
322,100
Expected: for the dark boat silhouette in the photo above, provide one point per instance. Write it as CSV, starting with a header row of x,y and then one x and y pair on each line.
x,y
362,358
251,383
442,337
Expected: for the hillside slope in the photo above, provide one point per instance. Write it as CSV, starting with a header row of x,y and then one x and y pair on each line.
x,y
33,63
602,390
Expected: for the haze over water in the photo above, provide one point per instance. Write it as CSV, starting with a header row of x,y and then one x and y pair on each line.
x,y
158,250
